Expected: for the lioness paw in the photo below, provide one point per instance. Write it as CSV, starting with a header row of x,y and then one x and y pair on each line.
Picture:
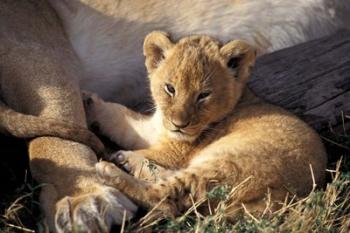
x,y
110,174
93,212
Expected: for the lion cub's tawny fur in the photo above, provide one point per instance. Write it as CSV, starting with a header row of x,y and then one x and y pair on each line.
x,y
208,130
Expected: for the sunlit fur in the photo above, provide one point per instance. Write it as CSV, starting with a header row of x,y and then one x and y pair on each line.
x,y
193,66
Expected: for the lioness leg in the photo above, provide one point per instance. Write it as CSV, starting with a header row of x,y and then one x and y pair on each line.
x,y
38,77
74,198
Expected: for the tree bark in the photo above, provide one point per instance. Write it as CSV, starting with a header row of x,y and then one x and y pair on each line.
x,y
311,80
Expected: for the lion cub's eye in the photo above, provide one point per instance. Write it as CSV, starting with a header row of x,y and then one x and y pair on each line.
x,y
169,89
203,96
233,63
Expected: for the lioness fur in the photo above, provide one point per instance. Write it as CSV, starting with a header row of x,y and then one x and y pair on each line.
x,y
29,126
208,130
107,34
39,75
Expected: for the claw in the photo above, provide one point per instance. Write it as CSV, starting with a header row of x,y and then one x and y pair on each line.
x,y
117,157
126,166
120,157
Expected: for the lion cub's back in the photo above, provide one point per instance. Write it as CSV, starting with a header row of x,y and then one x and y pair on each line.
x,y
275,141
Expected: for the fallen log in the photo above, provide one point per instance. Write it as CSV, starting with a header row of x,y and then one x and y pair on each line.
x,y
311,79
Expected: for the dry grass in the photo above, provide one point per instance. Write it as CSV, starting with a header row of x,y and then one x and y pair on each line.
x,y
20,211
321,211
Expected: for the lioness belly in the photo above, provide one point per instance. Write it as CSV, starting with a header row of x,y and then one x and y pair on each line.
x,y
107,34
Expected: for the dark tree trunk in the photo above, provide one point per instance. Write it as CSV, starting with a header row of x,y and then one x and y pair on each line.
x,y
312,80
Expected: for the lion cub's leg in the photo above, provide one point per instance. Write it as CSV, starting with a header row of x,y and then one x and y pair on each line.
x,y
123,126
145,193
218,166
194,180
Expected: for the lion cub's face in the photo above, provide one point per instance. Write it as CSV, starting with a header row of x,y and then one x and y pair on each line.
x,y
196,81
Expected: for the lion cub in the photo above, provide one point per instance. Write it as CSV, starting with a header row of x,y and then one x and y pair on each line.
x,y
208,130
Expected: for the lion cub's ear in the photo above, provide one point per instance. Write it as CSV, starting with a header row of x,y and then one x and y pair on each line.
x,y
154,47
240,57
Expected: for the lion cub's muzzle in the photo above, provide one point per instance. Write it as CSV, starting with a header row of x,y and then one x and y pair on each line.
x,y
179,120
184,131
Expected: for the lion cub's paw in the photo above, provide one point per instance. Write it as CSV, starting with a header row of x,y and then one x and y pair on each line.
x,y
128,160
136,164
93,212
114,176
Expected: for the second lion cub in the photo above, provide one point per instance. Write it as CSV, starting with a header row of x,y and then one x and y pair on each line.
x,y
208,129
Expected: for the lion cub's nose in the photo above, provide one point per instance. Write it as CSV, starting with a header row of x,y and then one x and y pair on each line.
x,y
180,124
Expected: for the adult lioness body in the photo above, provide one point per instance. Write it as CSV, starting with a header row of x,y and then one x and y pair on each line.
x,y
107,34
208,130
39,75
